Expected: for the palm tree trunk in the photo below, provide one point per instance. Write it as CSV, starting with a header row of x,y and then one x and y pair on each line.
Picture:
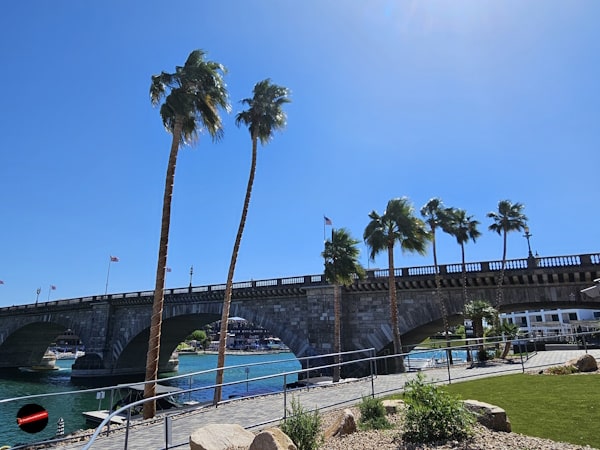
x,y
229,285
464,275
394,307
438,293
501,277
464,284
337,335
157,304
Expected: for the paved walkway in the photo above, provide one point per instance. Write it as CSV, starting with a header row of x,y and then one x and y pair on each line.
x,y
261,412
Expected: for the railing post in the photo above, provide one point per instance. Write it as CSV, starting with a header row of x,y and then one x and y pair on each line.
x,y
371,366
448,356
127,428
284,396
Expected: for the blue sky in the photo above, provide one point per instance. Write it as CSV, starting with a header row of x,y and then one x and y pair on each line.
x,y
470,101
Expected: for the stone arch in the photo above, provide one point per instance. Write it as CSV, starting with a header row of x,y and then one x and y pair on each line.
x,y
130,354
26,345
269,322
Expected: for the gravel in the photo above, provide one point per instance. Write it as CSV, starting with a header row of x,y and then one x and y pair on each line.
x,y
483,439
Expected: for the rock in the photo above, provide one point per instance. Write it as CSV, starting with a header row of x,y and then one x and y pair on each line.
x,y
490,416
393,406
272,439
345,424
585,363
220,437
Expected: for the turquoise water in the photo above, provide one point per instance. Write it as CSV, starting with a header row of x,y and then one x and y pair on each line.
x,y
431,358
17,384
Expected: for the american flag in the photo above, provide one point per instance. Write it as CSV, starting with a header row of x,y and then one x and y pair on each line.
x,y
114,259
327,220
1,282
52,287
168,269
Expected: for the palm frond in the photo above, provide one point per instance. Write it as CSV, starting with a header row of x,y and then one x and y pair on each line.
x,y
265,110
195,93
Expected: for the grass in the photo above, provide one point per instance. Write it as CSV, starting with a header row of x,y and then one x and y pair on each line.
x,y
564,408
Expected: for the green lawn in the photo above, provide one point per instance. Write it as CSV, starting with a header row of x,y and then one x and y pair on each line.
x,y
563,408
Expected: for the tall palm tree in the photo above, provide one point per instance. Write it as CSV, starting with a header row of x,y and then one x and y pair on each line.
x,y
435,216
509,217
194,95
341,269
263,117
398,224
463,228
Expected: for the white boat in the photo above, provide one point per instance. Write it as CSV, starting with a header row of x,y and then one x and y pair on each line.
x,y
48,363
273,343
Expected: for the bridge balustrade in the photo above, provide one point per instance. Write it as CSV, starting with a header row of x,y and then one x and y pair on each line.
x,y
558,261
491,266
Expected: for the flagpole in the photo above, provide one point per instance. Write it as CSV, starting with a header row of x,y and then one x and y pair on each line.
x,y
107,275
49,289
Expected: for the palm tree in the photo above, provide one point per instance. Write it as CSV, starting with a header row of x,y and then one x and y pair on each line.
x,y
509,217
341,269
194,94
477,310
510,331
463,228
398,224
435,216
263,116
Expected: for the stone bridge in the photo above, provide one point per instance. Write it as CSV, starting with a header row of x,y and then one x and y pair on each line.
x,y
115,328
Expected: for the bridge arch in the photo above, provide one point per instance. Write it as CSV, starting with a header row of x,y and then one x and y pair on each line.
x,y
300,309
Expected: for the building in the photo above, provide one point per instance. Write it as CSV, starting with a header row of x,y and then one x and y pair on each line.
x,y
554,322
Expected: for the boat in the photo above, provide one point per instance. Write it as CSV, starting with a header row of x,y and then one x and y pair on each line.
x,y
130,393
273,343
69,355
47,364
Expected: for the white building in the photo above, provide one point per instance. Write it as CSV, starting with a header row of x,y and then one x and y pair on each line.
x,y
554,322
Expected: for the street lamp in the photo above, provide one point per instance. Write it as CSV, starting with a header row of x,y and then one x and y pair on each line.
x,y
191,275
37,297
527,235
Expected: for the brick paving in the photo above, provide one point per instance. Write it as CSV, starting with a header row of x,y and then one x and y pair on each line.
x,y
261,412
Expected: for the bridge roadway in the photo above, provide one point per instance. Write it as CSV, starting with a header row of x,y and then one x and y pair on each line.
x,y
115,328
267,411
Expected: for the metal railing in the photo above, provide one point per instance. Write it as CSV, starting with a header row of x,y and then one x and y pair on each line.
x,y
442,368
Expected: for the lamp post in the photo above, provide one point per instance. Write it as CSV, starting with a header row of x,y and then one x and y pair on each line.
x,y
527,235
191,275
37,297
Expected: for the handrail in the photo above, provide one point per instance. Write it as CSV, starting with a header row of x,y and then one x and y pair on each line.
x,y
108,419
459,373
308,280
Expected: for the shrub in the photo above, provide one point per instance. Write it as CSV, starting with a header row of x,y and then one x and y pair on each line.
x,y
562,370
372,414
302,427
434,415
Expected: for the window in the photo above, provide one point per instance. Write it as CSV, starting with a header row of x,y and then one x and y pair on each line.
x,y
538,318
554,317
523,320
572,316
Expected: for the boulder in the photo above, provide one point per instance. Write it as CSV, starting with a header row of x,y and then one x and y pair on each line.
x,y
345,424
490,416
220,437
585,363
272,439
393,406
